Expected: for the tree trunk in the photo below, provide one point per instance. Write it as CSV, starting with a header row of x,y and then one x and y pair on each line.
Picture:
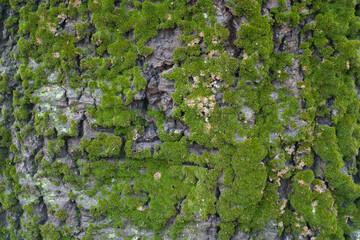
x,y
188,119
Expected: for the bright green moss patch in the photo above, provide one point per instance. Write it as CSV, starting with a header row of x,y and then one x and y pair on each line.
x,y
177,152
315,206
102,146
250,180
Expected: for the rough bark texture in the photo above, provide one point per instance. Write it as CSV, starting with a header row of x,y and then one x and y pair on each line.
x,y
189,119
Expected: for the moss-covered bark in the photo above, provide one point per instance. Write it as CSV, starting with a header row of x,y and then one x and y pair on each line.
x,y
188,119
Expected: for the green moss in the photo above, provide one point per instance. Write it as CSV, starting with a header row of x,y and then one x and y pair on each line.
x,y
102,146
21,114
4,84
227,229
112,113
54,147
49,231
61,214
233,207
63,119
314,205
174,151
74,129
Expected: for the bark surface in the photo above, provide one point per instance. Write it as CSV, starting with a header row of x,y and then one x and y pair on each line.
x,y
189,119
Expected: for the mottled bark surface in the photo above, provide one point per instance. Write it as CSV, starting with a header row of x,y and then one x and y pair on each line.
x,y
189,119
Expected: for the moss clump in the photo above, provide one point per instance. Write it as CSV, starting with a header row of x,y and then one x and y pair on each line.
x,y
315,208
102,146
61,214
251,179
174,151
